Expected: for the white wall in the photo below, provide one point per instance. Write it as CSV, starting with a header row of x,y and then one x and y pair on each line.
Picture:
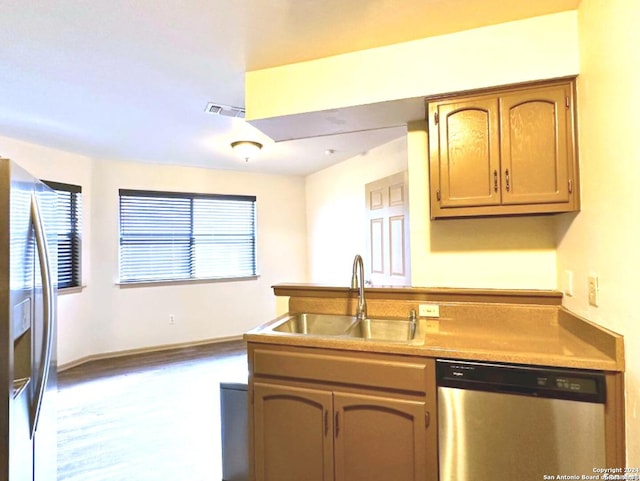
x,y
603,238
73,309
106,318
135,317
336,221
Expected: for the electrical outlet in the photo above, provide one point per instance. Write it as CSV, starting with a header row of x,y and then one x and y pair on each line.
x,y
594,297
429,310
172,319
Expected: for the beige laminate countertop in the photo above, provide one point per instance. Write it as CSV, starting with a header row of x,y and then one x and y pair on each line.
x,y
538,334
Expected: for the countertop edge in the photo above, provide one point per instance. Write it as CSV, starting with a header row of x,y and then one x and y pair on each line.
x,y
427,294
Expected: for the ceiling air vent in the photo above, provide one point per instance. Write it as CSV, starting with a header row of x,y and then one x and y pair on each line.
x,y
225,110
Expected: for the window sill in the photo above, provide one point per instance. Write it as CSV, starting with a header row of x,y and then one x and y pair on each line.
x,y
174,282
71,290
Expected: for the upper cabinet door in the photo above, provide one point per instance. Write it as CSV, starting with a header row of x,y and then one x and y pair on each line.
x,y
504,151
536,148
468,152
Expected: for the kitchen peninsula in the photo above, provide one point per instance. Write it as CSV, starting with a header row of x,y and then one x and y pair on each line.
x,y
333,394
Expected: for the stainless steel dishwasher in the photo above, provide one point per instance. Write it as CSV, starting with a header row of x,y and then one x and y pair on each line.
x,y
499,421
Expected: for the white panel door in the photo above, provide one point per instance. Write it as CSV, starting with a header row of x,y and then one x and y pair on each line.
x,y
387,256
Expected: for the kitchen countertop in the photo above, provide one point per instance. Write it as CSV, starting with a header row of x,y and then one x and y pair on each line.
x,y
523,327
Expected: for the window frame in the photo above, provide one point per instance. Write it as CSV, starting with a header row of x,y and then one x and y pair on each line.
x,y
191,197
72,193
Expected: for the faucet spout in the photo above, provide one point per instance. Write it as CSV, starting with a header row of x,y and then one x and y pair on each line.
x,y
357,282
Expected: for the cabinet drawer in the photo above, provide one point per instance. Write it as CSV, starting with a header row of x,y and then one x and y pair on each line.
x,y
358,371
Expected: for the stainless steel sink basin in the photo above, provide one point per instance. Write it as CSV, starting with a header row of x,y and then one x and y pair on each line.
x,y
393,330
317,324
350,328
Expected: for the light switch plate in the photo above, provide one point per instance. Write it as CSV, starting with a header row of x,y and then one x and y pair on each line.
x,y
568,282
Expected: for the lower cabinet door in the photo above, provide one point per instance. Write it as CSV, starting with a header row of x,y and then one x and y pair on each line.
x,y
293,434
379,439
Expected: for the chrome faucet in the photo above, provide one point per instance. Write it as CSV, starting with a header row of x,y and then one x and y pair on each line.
x,y
357,282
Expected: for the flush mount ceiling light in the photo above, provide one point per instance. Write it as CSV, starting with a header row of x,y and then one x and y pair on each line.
x,y
246,149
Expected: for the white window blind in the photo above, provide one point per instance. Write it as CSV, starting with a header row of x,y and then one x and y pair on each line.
x,y
168,236
68,229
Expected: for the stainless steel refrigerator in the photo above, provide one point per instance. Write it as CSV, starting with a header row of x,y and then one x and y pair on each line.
x,y
28,290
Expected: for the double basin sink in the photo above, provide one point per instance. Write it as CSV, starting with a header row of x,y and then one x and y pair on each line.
x,y
350,328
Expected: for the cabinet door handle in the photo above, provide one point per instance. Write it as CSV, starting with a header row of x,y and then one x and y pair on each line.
x,y
337,424
326,422
506,175
495,181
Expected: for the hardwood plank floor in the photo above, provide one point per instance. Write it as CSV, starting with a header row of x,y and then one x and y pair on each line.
x,y
153,416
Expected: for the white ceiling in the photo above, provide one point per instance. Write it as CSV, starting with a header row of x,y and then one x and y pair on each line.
x,y
130,79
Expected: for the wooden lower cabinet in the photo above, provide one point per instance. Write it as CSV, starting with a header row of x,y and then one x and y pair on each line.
x,y
293,440
314,435
305,428
378,439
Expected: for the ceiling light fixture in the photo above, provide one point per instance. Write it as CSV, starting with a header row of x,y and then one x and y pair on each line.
x,y
246,149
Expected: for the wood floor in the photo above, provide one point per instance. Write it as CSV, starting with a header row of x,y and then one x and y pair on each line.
x,y
146,417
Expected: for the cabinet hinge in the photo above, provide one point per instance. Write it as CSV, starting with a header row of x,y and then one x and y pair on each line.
x,y
566,101
427,419
438,195
570,186
436,118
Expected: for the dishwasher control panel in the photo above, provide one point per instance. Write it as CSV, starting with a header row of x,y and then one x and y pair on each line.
x,y
574,384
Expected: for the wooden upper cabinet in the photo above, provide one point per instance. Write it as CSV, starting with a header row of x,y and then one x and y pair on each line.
x,y
504,152
469,152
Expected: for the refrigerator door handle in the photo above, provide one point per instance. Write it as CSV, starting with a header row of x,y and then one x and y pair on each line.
x,y
47,295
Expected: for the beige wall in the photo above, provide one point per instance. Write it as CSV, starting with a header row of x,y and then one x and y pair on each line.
x,y
603,238
541,47
106,318
505,252
498,253
535,252
335,199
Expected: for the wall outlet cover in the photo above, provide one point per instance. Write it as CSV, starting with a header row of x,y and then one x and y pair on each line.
x,y
429,310
594,295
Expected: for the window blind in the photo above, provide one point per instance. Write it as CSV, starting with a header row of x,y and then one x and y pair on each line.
x,y
68,229
175,236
